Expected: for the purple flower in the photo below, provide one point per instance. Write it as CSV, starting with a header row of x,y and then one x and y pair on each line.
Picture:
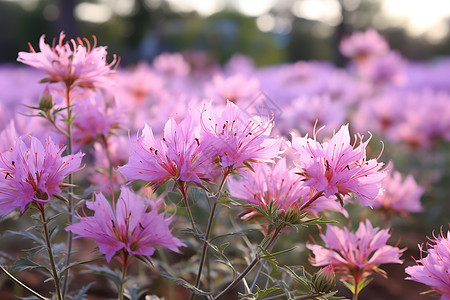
x,y
268,183
236,138
76,63
127,226
362,45
178,155
337,168
433,270
33,173
401,196
355,254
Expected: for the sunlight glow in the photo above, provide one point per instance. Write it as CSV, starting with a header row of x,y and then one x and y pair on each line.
x,y
420,17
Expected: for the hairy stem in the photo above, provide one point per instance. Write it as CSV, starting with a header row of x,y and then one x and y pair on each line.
x,y
69,198
208,232
50,252
184,193
124,275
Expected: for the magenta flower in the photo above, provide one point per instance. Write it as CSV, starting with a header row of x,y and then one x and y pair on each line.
x,y
433,270
361,45
178,155
355,255
75,63
33,173
127,226
96,118
277,184
337,168
236,138
268,183
401,196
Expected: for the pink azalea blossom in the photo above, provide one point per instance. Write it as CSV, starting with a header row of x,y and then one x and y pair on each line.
x,y
236,138
337,168
401,196
127,226
433,269
76,64
178,155
361,45
33,173
358,253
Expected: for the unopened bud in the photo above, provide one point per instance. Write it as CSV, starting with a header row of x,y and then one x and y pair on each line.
x,y
324,280
46,100
293,215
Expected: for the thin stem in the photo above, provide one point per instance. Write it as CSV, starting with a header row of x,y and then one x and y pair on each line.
x,y
104,140
250,267
22,284
356,279
69,198
208,232
124,275
184,193
50,252
205,248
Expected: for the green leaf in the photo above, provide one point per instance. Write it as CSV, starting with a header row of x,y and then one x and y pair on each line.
x,y
74,264
303,280
27,264
83,291
133,293
27,234
185,284
259,293
114,275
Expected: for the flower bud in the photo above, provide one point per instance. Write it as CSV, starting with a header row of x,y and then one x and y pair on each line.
x,y
46,100
325,279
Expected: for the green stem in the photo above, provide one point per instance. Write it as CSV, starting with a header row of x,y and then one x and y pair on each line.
x,y
248,269
50,252
184,193
208,232
124,275
22,284
69,198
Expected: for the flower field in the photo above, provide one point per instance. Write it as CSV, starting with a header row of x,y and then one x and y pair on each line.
x,y
186,179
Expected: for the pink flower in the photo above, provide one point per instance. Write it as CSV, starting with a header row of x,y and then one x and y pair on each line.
x,y
358,253
337,168
95,117
236,138
33,173
236,88
74,64
433,270
127,226
178,155
268,183
278,184
361,45
399,195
